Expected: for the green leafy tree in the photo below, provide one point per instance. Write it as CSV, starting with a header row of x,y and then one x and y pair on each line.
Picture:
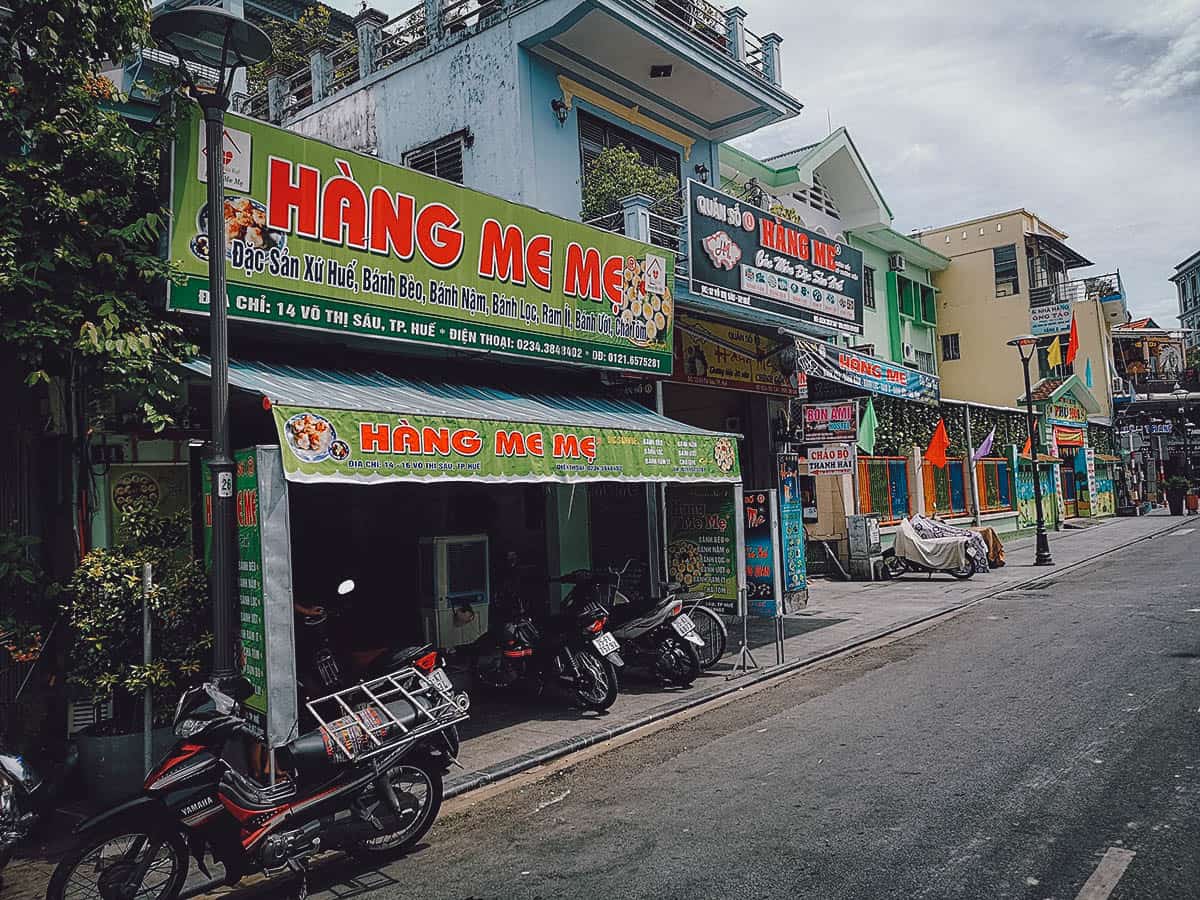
x,y
104,610
291,43
618,173
80,212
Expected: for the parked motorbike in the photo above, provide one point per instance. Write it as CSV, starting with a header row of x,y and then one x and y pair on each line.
x,y
658,634
361,782
21,792
326,674
913,553
571,650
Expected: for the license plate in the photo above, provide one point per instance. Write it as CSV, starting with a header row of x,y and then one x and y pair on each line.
x,y
606,644
441,680
683,624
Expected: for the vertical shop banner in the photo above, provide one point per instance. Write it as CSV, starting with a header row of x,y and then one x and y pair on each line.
x,y
764,586
791,526
702,544
744,256
266,637
323,238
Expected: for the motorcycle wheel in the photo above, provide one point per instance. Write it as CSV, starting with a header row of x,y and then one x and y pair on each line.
x,y
419,788
97,869
676,661
964,573
597,685
895,566
712,629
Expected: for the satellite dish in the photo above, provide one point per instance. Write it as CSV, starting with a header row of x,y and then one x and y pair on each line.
x,y
211,37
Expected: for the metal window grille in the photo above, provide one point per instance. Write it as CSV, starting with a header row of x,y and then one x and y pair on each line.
x,y
443,157
883,487
950,348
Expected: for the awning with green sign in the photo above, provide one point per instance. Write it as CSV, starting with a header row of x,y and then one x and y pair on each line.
x,y
371,428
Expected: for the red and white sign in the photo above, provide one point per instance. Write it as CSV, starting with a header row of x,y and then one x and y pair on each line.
x,y
235,157
831,459
655,274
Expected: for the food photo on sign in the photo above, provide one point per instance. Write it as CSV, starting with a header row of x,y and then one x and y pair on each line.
x,y
743,255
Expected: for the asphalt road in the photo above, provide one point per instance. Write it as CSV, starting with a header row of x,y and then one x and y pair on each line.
x,y
1001,754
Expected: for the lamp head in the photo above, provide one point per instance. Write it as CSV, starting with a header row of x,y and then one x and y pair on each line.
x,y
211,37
1026,345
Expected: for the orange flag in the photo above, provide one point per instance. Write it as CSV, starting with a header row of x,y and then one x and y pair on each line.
x,y
1025,451
938,445
1072,342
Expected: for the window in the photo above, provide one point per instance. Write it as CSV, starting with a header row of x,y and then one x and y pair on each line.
x,y
595,134
868,287
1195,285
1045,370
443,157
928,304
925,362
883,487
1004,260
950,347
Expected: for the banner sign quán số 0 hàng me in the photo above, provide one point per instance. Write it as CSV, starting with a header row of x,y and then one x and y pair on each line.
x,y
748,257
327,239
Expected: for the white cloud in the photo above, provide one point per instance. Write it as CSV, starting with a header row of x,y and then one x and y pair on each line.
x,y
1084,111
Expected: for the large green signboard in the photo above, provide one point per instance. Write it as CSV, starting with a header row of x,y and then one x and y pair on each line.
x,y
322,238
368,447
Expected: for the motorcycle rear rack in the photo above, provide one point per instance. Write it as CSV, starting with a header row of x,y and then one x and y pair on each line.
x,y
357,722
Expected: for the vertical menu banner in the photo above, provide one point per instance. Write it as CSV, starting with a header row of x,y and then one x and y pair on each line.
x,y
702,545
764,587
266,636
794,563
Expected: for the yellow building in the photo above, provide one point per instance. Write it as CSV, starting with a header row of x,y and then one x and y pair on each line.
x,y
1010,275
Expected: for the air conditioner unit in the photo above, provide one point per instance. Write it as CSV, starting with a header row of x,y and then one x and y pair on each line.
x,y
896,262
910,352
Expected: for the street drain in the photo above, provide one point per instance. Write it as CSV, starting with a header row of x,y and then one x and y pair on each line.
x,y
1036,586
1184,654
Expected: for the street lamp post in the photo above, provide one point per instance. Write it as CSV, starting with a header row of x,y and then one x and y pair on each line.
x,y
212,37
1181,396
1026,346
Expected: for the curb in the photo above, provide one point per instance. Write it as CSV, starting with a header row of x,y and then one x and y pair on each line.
x,y
527,761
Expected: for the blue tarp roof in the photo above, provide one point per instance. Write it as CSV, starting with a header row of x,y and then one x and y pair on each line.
x,y
378,392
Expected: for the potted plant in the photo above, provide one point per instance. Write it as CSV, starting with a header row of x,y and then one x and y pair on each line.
x,y
104,611
1177,488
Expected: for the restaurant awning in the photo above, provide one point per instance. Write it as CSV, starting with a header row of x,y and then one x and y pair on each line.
x,y
867,373
372,428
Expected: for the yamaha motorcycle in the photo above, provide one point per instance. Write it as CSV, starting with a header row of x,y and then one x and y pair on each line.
x,y
362,782
571,650
659,635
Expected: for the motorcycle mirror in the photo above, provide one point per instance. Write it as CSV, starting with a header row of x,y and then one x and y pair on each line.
x,y
345,587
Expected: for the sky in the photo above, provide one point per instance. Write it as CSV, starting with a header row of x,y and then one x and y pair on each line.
x,y
1086,112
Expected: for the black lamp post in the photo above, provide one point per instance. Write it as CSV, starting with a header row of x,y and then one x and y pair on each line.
x,y
1026,345
212,37
1181,396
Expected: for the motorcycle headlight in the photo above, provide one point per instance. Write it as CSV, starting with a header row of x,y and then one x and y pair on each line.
x,y
187,728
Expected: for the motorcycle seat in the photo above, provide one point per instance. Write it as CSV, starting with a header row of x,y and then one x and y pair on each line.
x,y
251,796
316,751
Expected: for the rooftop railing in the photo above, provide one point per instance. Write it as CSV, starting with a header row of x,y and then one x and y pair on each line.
x,y
379,43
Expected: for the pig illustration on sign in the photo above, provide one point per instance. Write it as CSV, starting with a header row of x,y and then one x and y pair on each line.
x,y
722,250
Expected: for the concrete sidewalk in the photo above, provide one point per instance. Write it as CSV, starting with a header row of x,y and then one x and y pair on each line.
x,y
505,736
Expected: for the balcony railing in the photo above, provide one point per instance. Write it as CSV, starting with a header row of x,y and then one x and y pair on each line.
x,y
1096,287
667,229
378,44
